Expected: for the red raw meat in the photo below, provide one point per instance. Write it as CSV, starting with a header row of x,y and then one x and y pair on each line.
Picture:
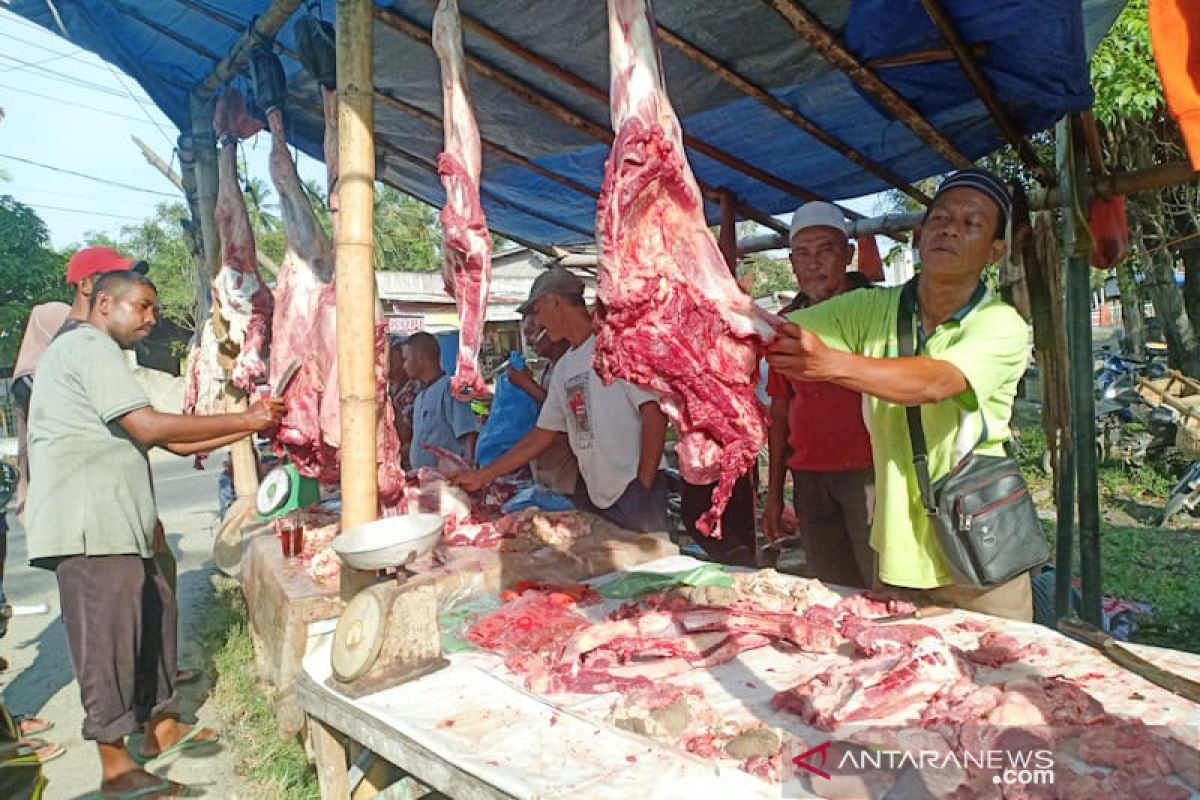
x,y
673,319
997,649
1126,745
533,623
205,378
245,301
812,634
305,323
896,680
466,244
874,640
870,604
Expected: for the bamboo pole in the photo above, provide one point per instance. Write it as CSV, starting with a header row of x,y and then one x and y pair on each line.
x,y
202,285
266,25
354,254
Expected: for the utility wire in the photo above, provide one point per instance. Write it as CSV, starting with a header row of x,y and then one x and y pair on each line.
x,y
74,104
85,211
106,181
79,82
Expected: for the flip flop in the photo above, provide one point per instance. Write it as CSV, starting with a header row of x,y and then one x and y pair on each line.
x,y
187,742
164,788
44,750
32,726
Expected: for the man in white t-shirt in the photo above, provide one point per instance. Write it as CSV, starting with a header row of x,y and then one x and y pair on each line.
x,y
617,432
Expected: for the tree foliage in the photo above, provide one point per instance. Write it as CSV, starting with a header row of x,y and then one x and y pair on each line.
x,y
160,242
31,272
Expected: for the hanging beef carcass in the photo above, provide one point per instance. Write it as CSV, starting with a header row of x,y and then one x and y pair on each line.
x,y
243,302
466,245
673,319
305,319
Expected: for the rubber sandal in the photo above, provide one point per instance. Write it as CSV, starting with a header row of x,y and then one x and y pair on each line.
x,y
32,726
188,742
44,750
164,788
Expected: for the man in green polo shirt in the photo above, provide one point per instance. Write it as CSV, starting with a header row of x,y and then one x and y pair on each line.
x,y
972,350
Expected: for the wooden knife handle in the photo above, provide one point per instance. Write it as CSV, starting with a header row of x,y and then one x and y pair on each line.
x,y
1084,632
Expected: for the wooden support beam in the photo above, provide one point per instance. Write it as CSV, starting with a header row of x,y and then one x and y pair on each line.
x,y
500,150
930,56
813,31
355,271
983,88
793,116
231,23
266,25
1091,140
560,112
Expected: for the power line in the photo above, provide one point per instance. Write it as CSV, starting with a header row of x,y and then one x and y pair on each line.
x,y
78,82
74,53
106,181
74,104
142,108
85,211
77,196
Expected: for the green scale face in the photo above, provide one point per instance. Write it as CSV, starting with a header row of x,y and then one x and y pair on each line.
x,y
283,491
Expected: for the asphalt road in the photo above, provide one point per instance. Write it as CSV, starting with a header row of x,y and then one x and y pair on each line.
x,y
39,680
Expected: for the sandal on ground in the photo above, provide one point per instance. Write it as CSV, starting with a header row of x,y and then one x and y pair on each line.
x,y
44,750
141,785
188,741
32,726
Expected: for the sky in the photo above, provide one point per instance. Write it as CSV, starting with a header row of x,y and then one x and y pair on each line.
x,y
68,109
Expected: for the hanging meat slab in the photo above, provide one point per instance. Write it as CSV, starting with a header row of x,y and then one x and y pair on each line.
x,y
467,246
673,319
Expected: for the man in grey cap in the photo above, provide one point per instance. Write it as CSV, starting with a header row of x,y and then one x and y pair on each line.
x,y
971,350
617,431
817,430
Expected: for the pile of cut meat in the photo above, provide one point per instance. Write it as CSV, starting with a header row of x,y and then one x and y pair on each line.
x,y
673,319
906,687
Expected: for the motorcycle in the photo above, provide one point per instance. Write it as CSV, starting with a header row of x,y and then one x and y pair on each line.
x,y
1185,495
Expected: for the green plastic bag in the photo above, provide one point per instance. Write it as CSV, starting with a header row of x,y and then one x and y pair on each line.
x,y
634,584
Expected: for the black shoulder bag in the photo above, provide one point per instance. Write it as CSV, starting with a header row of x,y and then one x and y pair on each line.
x,y
982,512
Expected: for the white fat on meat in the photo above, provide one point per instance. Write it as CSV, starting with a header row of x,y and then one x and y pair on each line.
x,y
467,246
205,376
673,320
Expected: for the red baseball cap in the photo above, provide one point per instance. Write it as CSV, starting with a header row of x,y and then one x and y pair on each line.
x,y
94,260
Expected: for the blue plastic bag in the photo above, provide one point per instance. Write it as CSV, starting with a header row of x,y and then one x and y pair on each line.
x,y
536,496
514,413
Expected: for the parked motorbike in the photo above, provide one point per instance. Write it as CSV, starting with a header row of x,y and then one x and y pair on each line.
x,y
1185,495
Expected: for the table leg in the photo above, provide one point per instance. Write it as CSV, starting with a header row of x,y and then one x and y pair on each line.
x,y
331,761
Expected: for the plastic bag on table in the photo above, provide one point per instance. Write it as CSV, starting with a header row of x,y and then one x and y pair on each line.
x,y
634,584
472,598
537,496
513,414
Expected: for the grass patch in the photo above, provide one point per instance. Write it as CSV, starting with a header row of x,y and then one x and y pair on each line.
x,y
274,766
1159,567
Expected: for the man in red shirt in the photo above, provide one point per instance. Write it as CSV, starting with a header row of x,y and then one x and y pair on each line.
x,y
817,429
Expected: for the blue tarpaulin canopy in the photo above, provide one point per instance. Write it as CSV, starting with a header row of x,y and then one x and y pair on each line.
x,y
1034,53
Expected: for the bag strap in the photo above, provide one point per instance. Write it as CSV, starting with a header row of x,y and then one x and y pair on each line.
x,y
916,431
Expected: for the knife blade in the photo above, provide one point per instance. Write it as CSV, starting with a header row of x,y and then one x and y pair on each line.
x,y
285,379
1092,636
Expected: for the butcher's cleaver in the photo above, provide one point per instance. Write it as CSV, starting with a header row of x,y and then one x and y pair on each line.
x,y
1081,631
285,380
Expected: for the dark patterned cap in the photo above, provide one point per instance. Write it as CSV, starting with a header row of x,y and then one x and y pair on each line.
x,y
981,180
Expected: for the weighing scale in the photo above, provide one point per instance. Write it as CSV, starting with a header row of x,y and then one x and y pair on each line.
x,y
389,632
285,490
